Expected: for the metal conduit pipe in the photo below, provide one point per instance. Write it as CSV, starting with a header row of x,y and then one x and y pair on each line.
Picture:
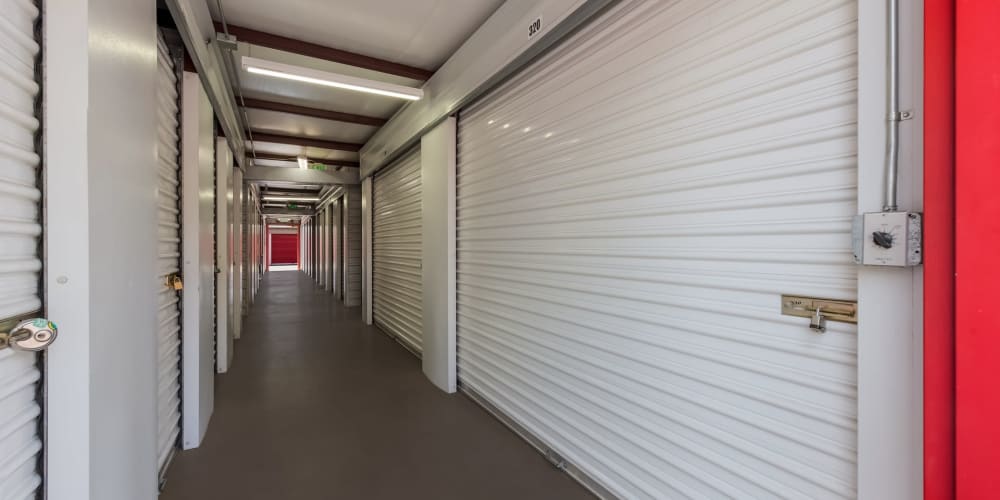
x,y
889,203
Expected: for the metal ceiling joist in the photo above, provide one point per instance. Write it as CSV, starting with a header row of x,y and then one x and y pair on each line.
x,y
305,141
287,211
301,176
194,23
313,112
322,161
287,190
498,49
304,48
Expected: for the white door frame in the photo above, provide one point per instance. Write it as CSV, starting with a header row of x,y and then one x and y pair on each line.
x,y
100,212
890,353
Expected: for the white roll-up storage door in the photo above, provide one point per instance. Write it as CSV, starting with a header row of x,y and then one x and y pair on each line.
x,y
631,207
352,245
396,251
20,230
168,257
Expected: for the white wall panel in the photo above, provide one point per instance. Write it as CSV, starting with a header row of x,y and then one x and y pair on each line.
x,y
630,209
20,229
396,251
168,334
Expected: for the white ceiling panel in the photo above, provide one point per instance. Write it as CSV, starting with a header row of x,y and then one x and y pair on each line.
x,y
308,94
291,185
421,33
295,151
307,126
289,164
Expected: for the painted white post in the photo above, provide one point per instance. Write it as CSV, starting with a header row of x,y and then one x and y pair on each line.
x,y
223,313
99,179
366,250
198,268
236,264
890,331
437,169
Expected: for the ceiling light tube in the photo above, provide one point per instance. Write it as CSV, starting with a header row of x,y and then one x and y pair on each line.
x,y
325,78
303,162
290,198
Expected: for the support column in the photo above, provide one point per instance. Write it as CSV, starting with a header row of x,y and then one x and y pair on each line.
x,y
366,250
437,170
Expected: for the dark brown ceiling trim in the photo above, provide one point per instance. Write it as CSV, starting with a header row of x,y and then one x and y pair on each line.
x,y
314,112
324,161
300,47
305,141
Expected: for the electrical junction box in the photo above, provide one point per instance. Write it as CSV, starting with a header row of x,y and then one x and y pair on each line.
x,y
888,239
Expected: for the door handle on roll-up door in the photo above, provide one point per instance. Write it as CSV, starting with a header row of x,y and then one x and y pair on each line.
x,y
33,334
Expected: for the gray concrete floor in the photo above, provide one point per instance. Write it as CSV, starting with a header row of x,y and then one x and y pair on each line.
x,y
320,406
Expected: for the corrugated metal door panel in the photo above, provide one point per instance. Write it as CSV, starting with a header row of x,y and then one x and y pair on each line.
x,y
630,209
396,251
168,257
20,230
352,246
329,241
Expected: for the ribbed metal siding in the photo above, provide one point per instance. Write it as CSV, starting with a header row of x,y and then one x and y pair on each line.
x,y
168,318
20,229
630,209
330,243
352,246
396,251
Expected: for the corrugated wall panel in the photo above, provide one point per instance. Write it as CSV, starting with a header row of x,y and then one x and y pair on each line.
x,y
630,209
168,256
396,251
20,230
352,246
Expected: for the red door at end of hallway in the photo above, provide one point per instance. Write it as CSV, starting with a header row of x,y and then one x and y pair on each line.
x,y
284,249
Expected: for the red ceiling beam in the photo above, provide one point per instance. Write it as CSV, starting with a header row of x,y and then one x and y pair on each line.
x,y
305,141
324,161
313,112
304,48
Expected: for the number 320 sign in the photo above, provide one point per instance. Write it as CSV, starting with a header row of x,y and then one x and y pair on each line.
x,y
535,27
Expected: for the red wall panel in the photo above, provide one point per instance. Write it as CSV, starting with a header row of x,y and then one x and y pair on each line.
x,y
977,248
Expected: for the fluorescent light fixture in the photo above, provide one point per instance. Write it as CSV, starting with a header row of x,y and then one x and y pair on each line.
x,y
303,162
325,78
288,198
281,226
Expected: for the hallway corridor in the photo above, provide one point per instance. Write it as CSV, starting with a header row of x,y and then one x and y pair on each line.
x,y
320,406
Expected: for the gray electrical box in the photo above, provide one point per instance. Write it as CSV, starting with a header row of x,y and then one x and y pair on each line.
x,y
888,239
